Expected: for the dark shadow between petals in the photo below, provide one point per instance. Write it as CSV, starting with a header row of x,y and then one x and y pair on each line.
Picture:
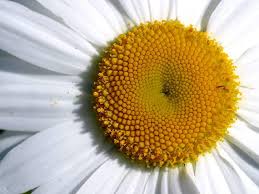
x,y
207,14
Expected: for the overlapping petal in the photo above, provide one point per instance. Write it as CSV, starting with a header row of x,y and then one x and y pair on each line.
x,y
33,103
42,41
58,149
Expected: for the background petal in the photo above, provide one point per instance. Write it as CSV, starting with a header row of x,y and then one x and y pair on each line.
x,y
105,179
238,181
248,68
10,139
84,18
231,20
245,138
41,41
45,156
31,103
249,107
247,164
73,178
192,12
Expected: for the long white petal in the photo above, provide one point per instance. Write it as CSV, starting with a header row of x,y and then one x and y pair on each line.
x,y
187,180
83,18
130,182
215,176
164,178
73,178
9,139
243,160
43,157
201,175
248,68
111,14
10,63
149,10
105,179
230,174
172,9
41,41
36,103
155,10
140,188
160,10
174,182
245,138
143,10
192,12
229,23
249,107
182,180
132,13
238,181
151,185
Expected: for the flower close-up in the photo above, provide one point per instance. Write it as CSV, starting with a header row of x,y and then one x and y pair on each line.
x,y
129,96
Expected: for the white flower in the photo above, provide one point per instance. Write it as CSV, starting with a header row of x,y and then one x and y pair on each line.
x,y
49,144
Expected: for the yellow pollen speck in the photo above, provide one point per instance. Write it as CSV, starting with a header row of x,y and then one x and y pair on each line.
x,y
166,93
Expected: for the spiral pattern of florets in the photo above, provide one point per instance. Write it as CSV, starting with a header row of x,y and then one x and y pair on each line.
x,y
166,93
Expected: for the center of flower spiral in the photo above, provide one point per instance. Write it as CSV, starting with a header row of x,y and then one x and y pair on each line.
x,y
165,93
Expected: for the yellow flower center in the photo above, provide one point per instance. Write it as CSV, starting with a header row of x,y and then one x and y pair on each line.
x,y
166,93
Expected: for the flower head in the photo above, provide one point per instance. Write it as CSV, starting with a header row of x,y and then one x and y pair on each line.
x,y
91,90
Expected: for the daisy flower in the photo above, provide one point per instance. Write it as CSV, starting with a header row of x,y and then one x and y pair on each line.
x,y
129,96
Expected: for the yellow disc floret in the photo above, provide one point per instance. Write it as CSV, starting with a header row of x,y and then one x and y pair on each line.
x,y
166,93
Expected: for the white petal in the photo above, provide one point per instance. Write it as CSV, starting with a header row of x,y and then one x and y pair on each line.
x,y
201,176
237,180
41,41
142,9
164,177
192,12
245,138
165,9
155,10
229,23
248,68
111,14
140,188
9,139
16,78
73,178
152,181
172,9
217,181
249,107
230,174
174,182
147,10
187,180
132,10
244,161
32,104
10,63
83,18
182,180
43,157
160,10
105,179
130,182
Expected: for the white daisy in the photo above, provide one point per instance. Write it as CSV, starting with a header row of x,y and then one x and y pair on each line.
x,y
175,79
